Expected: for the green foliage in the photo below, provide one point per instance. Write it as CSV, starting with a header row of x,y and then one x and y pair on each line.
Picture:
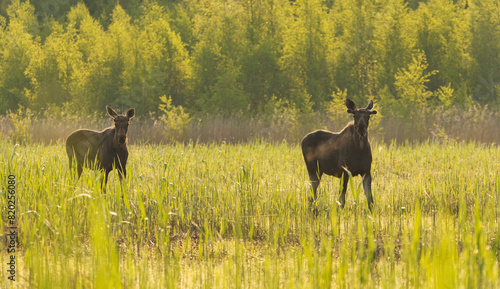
x,y
19,45
91,78
231,57
175,119
336,107
485,50
162,61
411,83
446,96
356,58
217,60
304,59
442,34
20,123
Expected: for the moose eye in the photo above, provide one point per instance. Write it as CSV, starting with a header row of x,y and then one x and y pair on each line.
x,y
361,117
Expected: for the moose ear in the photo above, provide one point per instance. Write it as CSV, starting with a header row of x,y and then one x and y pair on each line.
x,y
111,112
373,112
351,106
130,113
370,105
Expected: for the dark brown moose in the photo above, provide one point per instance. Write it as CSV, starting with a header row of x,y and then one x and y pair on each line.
x,y
336,153
102,150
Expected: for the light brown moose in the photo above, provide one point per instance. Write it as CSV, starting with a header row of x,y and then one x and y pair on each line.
x,y
102,150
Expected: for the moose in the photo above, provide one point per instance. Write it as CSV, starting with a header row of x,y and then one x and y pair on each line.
x,y
336,154
102,150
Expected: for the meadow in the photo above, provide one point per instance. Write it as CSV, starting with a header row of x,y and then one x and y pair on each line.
x,y
226,215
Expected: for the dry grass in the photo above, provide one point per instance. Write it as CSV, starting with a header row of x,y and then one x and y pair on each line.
x,y
474,124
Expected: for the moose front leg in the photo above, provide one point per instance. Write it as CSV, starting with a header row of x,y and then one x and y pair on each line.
x,y
79,169
104,181
122,173
343,183
367,186
120,164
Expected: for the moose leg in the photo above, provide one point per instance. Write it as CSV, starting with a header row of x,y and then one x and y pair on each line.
x,y
104,182
122,173
343,183
120,163
314,184
367,186
70,163
79,166
314,177
79,169
106,177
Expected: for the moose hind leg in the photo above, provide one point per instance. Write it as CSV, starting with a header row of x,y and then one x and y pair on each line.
x,y
367,187
79,168
73,161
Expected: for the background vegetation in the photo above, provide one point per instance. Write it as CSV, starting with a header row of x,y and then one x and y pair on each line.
x,y
274,60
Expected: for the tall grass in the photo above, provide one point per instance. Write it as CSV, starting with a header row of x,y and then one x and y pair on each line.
x,y
229,216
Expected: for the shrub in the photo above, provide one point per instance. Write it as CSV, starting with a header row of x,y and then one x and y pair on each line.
x,y
175,119
20,123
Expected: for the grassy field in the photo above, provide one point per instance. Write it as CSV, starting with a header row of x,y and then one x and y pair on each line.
x,y
237,216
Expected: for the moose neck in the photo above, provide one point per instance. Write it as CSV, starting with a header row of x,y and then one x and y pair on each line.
x,y
361,141
116,142
358,140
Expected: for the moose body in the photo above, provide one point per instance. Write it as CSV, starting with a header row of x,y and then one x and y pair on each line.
x,y
102,150
336,153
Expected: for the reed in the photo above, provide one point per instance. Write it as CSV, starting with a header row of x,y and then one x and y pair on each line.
x,y
226,215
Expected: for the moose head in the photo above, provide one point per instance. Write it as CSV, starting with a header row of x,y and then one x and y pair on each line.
x,y
121,124
361,116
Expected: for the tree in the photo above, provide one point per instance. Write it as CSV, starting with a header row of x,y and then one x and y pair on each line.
x,y
356,58
411,83
50,71
123,60
485,51
19,46
392,43
217,58
264,22
442,34
304,60
91,80
163,66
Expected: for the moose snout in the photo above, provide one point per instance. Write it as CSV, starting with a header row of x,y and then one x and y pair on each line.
x,y
362,130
